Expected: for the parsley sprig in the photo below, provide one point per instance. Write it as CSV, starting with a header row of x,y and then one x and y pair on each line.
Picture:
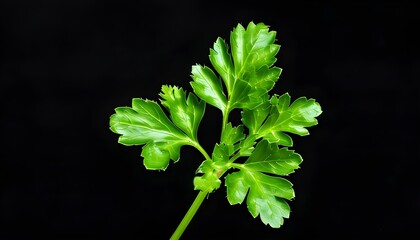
x,y
254,157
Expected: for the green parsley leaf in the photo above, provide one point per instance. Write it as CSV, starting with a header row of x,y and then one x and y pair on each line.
x,y
268,158
295,118
265,193
254,118
209,181
248,72
146,123
208,87
185,112
247,145
253,53
275,117
156,154
231,136
222,62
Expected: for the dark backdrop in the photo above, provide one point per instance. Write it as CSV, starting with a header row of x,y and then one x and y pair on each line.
x,y
65,65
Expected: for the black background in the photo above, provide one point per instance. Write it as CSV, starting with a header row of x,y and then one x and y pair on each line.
x,y
65,65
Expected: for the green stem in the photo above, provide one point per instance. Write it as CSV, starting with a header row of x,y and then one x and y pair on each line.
x,y
236,156
189,215
238,166
202,151
201,195
197,202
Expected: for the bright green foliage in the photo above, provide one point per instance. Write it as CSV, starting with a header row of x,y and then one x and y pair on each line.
x,y
146,123
208,87
268,158
211,170
247,72
254,156
294,118
231,137
185,113
209,181
277,116
264,191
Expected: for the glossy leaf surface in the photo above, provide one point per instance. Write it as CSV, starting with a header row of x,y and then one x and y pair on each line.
x,y
146,123
185,112
265,193
291,118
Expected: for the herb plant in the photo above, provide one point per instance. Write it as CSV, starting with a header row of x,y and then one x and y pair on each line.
x,y
255,155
